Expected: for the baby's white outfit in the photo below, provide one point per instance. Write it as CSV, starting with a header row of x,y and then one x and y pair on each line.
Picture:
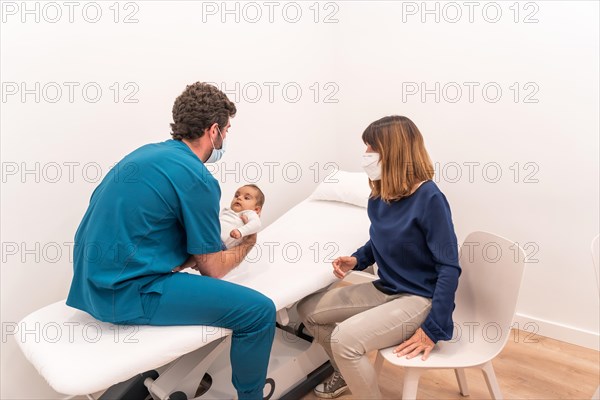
x,y
231,220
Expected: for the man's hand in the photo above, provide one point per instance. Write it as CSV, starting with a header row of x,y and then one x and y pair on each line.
x,y
417,343
189,263
241,250
342,265
244,218
218,264
235,234
249,240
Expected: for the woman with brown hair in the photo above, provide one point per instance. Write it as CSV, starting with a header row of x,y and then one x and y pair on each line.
x,y
412,240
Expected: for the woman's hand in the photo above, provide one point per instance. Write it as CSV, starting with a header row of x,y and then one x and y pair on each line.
x,y
417,343
342,265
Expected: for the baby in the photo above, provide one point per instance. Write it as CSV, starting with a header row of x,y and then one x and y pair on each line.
x,y
247,201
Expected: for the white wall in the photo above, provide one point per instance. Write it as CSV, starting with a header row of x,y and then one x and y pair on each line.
x,y
365,61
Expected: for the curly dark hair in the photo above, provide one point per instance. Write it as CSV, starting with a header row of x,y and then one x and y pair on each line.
x,y
198,108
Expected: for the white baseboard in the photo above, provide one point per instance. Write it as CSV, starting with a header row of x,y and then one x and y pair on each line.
x,y
557,331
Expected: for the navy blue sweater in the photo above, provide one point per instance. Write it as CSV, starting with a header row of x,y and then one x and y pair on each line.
x,y
412,240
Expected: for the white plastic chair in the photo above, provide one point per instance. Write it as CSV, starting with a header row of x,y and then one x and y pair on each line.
x,y
596,262
486,299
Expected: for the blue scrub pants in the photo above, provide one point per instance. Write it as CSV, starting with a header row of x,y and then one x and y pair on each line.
x,y
190,299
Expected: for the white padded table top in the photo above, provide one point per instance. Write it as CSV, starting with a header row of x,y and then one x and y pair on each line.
x,y
78,354
293,256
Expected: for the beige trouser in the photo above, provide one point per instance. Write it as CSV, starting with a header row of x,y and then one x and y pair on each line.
x,y
353,320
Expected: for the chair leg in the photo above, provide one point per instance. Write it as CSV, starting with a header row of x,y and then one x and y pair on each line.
x,y
411,383
378,365
490,379
461,377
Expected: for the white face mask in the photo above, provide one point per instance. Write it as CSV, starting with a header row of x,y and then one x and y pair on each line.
x,y
216,154
372,166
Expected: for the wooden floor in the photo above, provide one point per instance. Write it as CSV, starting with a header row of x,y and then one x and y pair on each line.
x,y
530,367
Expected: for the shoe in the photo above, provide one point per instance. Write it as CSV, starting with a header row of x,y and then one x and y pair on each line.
x,y
333,387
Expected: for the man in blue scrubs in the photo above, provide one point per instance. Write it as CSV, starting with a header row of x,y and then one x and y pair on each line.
x,y
157,213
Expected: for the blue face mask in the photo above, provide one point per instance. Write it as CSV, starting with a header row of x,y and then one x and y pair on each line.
x,y
216,154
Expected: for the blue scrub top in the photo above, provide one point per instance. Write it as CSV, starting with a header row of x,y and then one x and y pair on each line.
x,y
154,208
